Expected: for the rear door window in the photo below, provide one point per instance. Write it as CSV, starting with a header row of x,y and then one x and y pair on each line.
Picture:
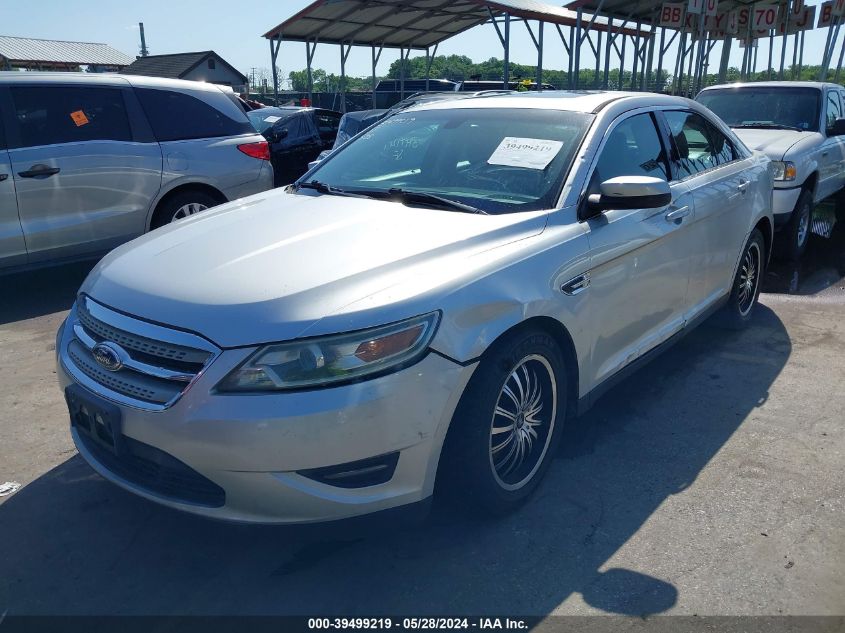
x,y
327,124
69,114
177,116
697,145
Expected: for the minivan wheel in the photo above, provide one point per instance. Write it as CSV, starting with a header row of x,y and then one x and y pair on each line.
x,y
796,234
181,206
746,286
508,423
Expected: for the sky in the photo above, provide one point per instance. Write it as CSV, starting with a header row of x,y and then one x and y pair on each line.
x,y
234,31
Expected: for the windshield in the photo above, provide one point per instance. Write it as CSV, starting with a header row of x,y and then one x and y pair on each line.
x,y
796,108
266,117
496,160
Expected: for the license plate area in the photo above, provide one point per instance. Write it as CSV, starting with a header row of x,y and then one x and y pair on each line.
x,y
94,417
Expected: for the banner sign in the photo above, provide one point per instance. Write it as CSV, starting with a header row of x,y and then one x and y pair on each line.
x,y
797,23
672,15
764,17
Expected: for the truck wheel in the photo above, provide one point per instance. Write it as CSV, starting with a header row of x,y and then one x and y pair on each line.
x,y
795,235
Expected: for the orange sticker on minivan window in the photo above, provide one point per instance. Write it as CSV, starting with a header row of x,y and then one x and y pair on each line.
x,y
79,118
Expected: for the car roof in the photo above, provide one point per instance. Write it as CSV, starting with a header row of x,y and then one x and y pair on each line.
x,y
106,79
776,84
572,101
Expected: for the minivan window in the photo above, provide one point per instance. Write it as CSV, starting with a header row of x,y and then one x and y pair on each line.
x,y
177,116
69,114
698,146
765,107
498,160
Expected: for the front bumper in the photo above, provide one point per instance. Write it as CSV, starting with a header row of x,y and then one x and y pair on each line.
x,y
255,447
783,203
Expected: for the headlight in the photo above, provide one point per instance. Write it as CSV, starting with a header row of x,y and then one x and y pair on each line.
x,y
328,360
784,170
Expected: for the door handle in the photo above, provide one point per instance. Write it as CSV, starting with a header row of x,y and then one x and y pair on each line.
x,y
742,186
677,215
39,171
3,177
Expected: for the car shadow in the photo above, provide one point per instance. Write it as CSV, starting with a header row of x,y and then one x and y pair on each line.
x,y
39,292
74,544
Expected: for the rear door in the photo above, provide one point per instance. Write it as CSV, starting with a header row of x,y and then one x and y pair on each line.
x,y
328,123
84,184
12,244
715,172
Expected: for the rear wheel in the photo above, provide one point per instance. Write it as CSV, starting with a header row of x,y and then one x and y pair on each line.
x,y
796,234
746,286
182,205
508,424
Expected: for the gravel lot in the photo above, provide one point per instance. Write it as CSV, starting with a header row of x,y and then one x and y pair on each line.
x,y
711,483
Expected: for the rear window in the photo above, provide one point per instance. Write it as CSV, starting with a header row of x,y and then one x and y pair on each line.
x,y
177,116
68,114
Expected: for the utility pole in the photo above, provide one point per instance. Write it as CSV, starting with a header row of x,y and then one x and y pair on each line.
x,y
144,51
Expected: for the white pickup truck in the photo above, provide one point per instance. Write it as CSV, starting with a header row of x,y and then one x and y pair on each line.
x,y
800,125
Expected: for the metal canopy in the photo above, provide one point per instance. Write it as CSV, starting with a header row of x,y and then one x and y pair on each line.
x,y
415,24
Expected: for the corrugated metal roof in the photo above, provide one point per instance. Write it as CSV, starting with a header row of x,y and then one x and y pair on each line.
x,y
409,23
172,66
27,49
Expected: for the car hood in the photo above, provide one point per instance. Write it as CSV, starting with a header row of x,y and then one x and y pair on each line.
x,y
267,268
773,143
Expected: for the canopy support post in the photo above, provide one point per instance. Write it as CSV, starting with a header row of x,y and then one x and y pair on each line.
x,y
725,60
785,36
607,47
309,54
578,41
429,60
274,56
344,55
375,57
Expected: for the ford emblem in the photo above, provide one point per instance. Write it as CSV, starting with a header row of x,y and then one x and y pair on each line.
x,y
109,355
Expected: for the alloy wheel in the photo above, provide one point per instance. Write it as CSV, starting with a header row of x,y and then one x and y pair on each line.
x,y
188,209
749,278
803,226
523,422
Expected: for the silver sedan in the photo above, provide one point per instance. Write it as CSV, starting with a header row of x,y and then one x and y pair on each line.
x,y
429,304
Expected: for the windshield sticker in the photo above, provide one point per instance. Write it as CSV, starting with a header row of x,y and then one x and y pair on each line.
x,y
272,119
79,118
531,153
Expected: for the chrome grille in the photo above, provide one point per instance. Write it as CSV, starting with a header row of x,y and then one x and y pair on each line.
x,y
158,363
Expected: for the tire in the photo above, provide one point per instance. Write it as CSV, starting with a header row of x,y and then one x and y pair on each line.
x,y
181,205
796,234
523,373
744,293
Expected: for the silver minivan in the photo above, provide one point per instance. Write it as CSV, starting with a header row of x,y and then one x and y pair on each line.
x,y
88,161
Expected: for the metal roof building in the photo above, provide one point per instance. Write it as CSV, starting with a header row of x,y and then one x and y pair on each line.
x,y
423,24
38,54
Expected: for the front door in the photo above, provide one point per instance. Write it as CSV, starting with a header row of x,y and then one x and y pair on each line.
x,y
83,185
832,158
639,267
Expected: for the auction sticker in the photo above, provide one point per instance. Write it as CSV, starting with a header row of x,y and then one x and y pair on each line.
x,y
272,119
79,118
531,153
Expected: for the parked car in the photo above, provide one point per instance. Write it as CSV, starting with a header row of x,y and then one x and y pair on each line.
x,y
430,305
800,126
296,136
90,161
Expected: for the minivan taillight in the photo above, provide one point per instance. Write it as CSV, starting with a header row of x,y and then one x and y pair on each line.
x,y
260,150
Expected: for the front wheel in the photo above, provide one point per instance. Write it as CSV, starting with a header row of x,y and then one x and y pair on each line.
x,y
796,233
508,423
746,285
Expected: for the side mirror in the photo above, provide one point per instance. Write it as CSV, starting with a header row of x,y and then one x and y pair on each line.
x,y
837,129
630,192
